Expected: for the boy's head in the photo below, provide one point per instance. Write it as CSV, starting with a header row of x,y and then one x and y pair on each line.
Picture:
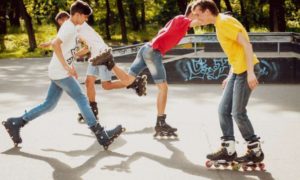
x,y
188,10
205,10
80,11
61,17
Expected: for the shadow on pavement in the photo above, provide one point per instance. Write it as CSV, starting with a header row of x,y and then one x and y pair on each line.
x,y
179,161
63,171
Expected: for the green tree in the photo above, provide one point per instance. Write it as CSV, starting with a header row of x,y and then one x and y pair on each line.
x,y
3,30
28,25
133,15
122,21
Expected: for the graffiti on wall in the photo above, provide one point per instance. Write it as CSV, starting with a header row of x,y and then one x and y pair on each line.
x,y
214,69
205,69
268,70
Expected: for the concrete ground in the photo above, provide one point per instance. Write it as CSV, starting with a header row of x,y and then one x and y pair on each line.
x,y
56,146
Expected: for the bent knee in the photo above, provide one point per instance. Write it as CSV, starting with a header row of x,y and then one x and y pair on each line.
x,y
163,86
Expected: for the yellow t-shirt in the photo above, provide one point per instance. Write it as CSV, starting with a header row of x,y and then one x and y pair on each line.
x,y
227,29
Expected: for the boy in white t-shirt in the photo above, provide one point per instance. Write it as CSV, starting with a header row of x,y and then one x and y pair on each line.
x,y
61,73
96,45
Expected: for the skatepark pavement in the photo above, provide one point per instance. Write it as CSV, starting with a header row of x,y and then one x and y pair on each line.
x,y
56,146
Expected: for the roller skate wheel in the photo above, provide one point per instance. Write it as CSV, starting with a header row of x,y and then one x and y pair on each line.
x,y
123,129
216,164
105,148
245,167
261,166
225,166
3,122
208,163
235,167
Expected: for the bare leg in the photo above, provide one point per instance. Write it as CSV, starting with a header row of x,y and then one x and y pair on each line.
x,y
109,85
162,98
125,78
90,88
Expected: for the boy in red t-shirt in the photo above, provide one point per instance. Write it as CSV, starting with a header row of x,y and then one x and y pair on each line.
x,y
150,56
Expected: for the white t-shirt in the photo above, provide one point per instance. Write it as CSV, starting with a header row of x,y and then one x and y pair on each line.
x,y
92,39
67,34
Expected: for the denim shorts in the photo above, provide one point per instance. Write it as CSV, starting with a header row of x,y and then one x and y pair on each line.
x,y
99,71
147,57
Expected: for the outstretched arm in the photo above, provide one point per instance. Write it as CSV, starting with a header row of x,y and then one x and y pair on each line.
x,y
45,44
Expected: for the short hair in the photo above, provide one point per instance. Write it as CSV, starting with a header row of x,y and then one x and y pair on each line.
x,y
61,15
188,9
81,8
206,4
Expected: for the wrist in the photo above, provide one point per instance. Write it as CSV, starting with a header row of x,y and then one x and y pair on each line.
x,y
67,68
250,72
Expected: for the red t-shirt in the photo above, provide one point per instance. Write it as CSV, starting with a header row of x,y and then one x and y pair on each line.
x,y
171,34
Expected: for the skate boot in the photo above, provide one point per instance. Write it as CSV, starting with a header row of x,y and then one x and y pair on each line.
x,y
139,85
106,137
224,157
163,130
105,58
253,157
13,126
94,109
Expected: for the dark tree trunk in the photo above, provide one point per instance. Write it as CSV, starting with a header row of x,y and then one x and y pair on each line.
x,y
143,15
133,15
2,24
14,14
182,5
218,3
28,24
107,20
228,5
277,16
244,16
122,21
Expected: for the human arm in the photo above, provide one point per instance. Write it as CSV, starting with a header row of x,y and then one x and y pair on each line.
x,y
45,44
56,45
224,82
251,78
83,51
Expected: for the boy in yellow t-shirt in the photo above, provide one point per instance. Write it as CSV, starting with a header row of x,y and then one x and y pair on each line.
x,y
237,86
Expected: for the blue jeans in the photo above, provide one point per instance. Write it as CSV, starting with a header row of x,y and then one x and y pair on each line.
x,y
73,89
233,106
151,58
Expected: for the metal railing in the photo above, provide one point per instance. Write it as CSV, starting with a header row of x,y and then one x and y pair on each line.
x,y
272,37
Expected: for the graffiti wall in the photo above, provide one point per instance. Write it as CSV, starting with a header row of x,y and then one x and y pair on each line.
x,y
214,70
